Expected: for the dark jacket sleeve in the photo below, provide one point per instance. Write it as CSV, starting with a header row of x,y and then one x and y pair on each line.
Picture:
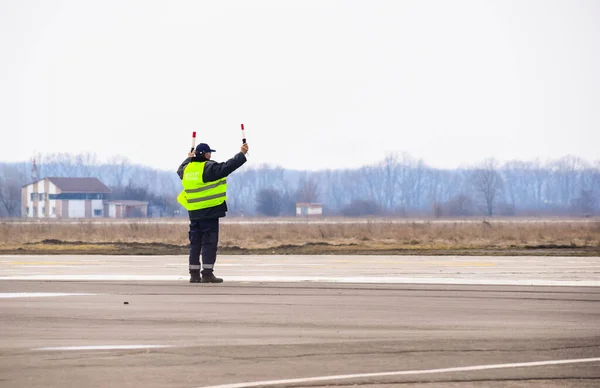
x,y
182,167
214,170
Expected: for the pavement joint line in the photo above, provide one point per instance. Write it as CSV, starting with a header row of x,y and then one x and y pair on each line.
x,y
103,347
318,279
45,262
407,372
10,295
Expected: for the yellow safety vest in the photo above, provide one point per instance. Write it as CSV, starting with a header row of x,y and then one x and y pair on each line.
x,y
196,193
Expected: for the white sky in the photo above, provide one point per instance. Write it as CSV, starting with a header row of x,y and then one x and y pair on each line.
x,y
318,84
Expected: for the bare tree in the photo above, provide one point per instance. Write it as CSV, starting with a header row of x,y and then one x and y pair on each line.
x,y
585,204
334,192
85,163
595,180
370,178
58,164
268,202
308,190
361,207
441,185
517,184
389,171
119,167
487,183
413,180
241,192
11,180
461,205
244,186
566,173
268,176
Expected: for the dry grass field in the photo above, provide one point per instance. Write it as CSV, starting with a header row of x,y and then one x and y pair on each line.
x,y
376,236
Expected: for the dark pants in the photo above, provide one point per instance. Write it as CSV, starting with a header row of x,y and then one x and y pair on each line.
x,y
204,238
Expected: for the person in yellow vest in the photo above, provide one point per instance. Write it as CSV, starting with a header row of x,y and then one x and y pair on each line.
x,y
203,195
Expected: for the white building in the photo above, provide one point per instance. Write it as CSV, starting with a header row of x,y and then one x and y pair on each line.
x,y
126,208
309,209
64,198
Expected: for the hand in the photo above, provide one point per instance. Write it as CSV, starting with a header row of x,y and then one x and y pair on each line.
x,y
244,148
191,154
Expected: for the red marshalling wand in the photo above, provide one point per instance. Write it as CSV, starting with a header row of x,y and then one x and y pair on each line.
x,y
243,135
193,141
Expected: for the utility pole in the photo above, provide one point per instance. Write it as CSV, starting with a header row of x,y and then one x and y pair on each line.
x,y
34,170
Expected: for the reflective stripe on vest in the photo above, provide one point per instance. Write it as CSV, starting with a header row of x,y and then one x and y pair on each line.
x,y
196,193
207,187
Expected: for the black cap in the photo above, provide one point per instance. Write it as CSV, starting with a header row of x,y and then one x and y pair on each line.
x,y
203,148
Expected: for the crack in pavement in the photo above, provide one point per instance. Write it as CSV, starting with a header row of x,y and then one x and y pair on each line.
x,y
449,381
414,352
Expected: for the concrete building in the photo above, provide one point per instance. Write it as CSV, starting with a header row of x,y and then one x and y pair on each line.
x,y
75,198
126,209
64,198
309,209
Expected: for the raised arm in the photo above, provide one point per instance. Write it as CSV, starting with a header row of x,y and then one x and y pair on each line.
x,y
214,170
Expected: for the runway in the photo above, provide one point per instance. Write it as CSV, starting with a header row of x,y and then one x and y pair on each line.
x,y
326,321
484,270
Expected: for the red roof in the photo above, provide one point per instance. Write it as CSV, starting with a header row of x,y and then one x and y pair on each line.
x,y
80,185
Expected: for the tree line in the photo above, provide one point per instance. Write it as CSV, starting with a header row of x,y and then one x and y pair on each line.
x,y
398,185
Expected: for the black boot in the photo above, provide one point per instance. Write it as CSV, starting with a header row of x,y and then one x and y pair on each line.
x,y
209,277
195,277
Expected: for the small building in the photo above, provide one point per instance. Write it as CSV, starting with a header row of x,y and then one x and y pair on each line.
x,y
64,198
304,209
126,209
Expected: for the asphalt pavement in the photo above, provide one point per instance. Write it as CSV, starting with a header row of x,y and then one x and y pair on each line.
x,y
370,321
